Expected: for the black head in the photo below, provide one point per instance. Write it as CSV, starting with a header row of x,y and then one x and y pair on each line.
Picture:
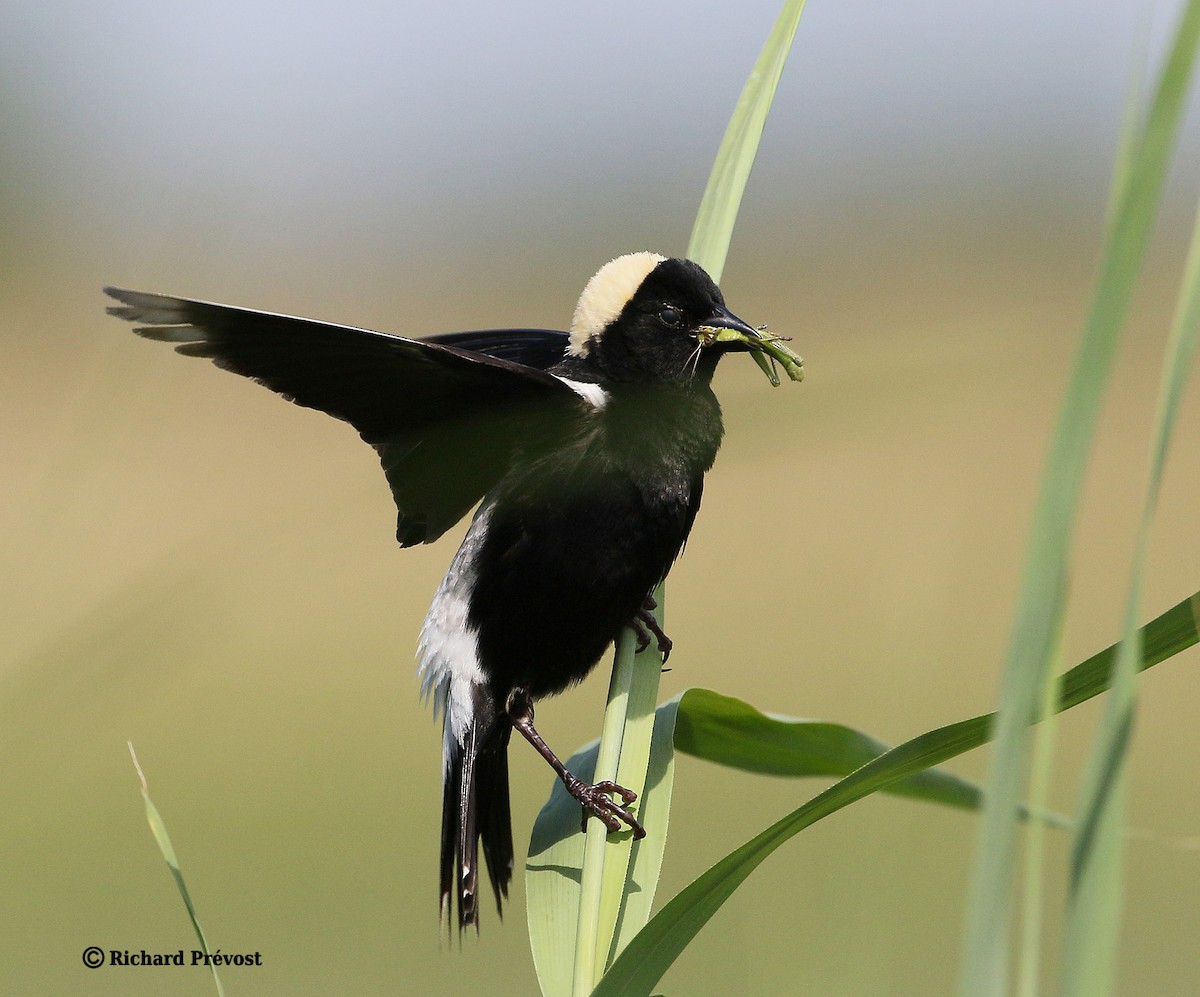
x,y
644,317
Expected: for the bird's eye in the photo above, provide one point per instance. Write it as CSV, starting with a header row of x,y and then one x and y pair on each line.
x,y
669,316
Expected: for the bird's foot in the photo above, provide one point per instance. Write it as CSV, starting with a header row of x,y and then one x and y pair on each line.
x,y
594,799
644,624
597,803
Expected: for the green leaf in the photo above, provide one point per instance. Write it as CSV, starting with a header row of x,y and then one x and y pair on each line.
x,y
719,729
600,917
556,854
631,866
731,732
645,863
644,960
1138,182
713,229
598,845
1093,912
553,874
159,830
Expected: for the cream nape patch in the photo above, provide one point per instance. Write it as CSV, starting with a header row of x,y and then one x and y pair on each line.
x,y
606,295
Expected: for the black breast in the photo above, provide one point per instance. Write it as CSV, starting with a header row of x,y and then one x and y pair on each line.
x,y
578,537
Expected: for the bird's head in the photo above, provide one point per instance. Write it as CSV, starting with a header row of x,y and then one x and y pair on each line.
x,y
647,317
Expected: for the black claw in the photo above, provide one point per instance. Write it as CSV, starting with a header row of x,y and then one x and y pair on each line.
x,y
597,803
608,786
643,622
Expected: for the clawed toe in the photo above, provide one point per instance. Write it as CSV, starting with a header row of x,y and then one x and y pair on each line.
x,y
644,622
597,803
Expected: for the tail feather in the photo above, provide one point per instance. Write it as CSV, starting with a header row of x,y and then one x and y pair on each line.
x,y
475,806
493,814
451,787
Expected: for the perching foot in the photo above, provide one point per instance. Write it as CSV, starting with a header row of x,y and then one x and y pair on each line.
x,y
597,803
644,622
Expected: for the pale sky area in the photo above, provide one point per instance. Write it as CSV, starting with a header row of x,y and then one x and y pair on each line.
x,y
406,124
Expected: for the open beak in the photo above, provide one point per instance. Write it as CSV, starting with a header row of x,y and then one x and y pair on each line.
x,y
729,332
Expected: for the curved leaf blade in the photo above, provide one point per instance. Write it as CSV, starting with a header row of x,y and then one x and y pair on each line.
x,y
553,870
1137,189
1093,917
713,229
731,732
648,956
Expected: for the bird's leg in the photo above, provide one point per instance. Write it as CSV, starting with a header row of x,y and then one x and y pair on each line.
x,y
645,621
594,798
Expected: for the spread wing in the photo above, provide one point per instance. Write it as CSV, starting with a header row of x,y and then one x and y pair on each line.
x,y
445,414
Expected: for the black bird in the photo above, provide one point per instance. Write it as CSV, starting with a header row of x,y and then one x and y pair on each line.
x,y
588,451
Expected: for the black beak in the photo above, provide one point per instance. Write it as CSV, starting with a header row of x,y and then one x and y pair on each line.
x,y
720,319
730,334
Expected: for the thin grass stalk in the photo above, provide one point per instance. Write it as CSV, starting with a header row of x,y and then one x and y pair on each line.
x,y
159,829
715,218
708,246
588,968
985,966
1094,913
632,772
1033,894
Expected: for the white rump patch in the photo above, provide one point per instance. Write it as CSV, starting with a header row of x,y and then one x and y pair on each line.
x,y
606,294
448,648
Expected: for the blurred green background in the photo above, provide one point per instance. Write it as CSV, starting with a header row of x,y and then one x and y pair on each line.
x,y
192,564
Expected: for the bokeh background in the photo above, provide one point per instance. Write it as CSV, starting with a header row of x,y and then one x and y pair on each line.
x,y
192,564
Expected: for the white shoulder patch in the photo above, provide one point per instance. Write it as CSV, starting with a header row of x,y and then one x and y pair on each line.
x,y
593,394
606,294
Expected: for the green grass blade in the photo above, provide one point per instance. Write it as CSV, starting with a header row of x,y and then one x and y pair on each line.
x,y
633,772
642,963
1033,899
159,830
616,716
1139,181
598,915
716,728
553,872
553,876
1094,911
713,229
645,863
713,727
570,954
731,732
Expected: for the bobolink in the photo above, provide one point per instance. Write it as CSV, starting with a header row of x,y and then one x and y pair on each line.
x,y
586,452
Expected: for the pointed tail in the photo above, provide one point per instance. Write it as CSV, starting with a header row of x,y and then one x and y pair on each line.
x,y
475,808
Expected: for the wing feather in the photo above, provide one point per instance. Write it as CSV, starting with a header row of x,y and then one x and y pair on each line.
x,y
446,414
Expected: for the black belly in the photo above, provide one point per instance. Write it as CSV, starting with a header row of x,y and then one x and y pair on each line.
x,y
564,567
